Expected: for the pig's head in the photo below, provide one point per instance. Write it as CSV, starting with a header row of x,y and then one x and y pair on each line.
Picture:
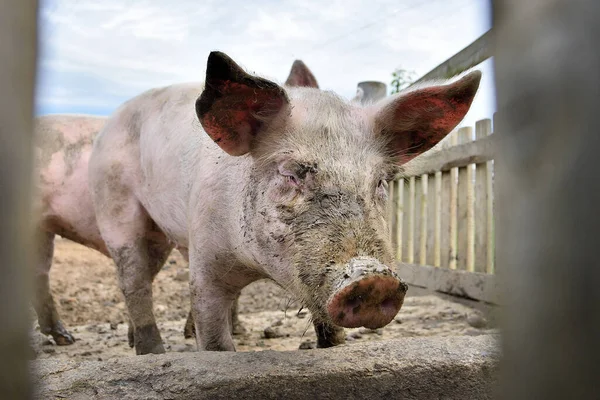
x,y
315,201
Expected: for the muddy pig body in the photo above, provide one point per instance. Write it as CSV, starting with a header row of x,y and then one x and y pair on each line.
x,y
256,180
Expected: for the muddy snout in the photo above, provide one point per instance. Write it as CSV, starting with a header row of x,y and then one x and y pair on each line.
x,y
369,294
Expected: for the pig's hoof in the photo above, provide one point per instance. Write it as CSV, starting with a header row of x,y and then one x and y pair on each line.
x,y
156,349
63,338
148,340
372,302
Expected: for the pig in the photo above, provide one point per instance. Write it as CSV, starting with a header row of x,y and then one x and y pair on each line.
x,y
257,180
64,207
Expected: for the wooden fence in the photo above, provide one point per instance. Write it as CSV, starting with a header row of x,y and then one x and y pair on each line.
x,y
441,215
442,206
441,212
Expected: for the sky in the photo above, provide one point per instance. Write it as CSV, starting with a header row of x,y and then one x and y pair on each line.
x,y
94,55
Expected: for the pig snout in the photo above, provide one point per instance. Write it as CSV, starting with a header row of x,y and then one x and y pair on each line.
x,y
369,294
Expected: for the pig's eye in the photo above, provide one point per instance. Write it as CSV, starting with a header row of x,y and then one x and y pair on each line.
x,y
290,177
292,180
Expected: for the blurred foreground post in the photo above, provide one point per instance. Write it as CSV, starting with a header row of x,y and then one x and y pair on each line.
x,y
548,86
18,45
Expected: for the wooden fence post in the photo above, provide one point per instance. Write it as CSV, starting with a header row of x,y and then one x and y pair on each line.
x,y
370,91
547,80
18,45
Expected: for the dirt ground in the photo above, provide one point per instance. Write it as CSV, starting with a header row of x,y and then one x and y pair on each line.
x,y
92,308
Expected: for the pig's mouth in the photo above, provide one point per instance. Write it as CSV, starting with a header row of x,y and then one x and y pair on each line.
x,y
369,295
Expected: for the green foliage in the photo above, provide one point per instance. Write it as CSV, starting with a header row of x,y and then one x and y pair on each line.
x,y
401,79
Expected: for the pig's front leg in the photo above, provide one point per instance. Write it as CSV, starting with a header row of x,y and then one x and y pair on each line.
x,y
215,285
328,335
212,301
189,331
237,328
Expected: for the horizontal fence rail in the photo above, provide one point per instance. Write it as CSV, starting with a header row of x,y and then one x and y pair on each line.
x,y
472,55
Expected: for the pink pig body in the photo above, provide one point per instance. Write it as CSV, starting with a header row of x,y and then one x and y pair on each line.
x,y
63,204
254,180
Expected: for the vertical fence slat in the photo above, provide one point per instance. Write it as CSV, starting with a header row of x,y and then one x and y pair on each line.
x,y
399,195
431,220
410,250
392,214
405,220
438,219
453,209
491,187
417,220
448,211
423,220
465,208
482,129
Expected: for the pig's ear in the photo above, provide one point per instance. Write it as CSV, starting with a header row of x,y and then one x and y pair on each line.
x,y
300,75
414,122
235,106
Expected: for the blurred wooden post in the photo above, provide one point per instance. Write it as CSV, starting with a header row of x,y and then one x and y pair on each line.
x,y
18,45
548,204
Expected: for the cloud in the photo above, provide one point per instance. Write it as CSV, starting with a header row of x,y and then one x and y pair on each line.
x,y
101,53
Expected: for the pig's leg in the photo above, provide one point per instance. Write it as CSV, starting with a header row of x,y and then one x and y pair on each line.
x,y
189,331
43,301
139,253
211,312
213,290
328,335
237,328
130,336
158,255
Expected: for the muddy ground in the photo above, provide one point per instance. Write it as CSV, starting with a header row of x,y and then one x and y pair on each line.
x,y
85,290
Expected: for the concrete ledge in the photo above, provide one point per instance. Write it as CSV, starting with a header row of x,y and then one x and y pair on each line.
x,y
460,367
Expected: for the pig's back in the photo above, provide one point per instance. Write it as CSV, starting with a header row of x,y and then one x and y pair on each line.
x,y
63,201
158,139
